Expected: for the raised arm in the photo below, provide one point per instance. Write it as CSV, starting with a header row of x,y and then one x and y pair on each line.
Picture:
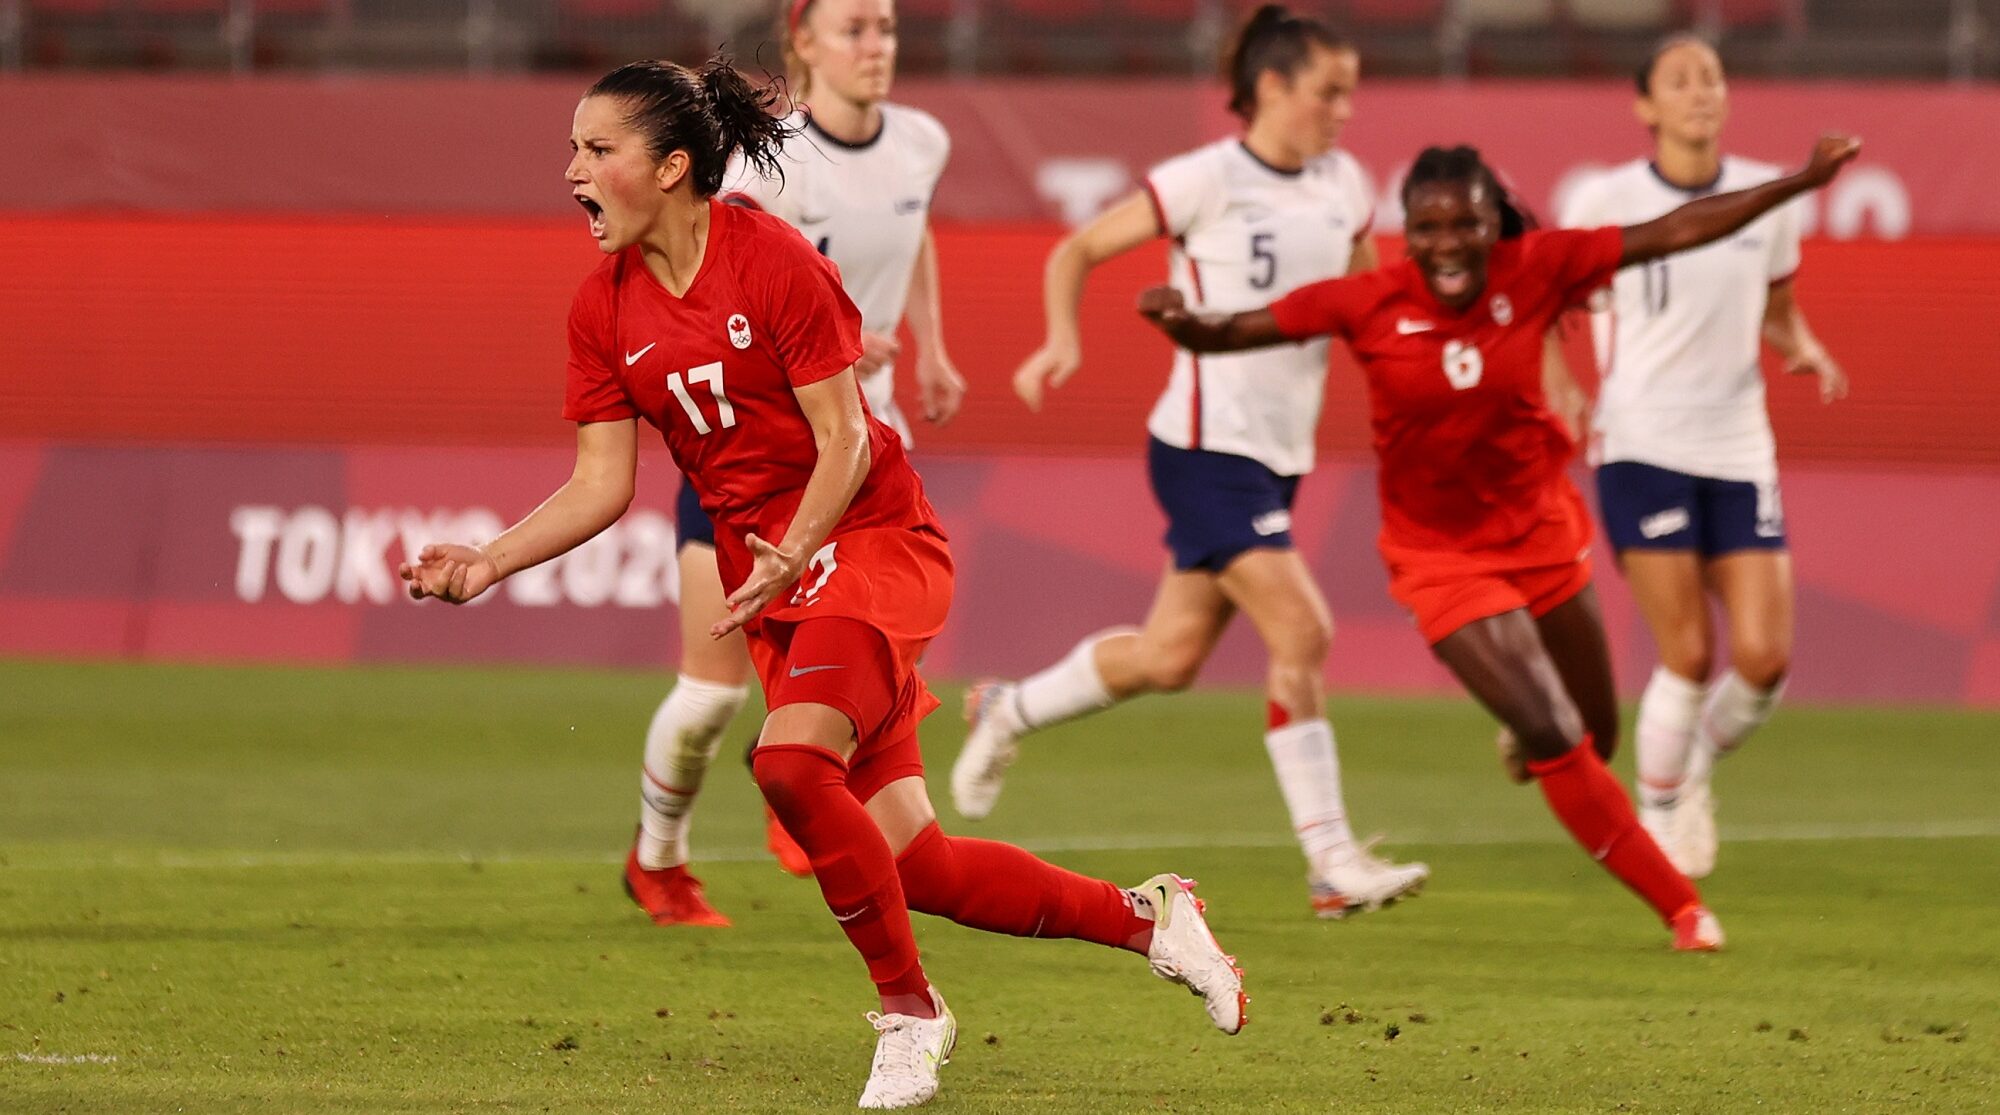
x,y
1117,230
1167,309
840,434
1709,219
596,494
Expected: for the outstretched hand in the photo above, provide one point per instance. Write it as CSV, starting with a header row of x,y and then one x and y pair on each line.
x,y
450,572
1831,153
772,571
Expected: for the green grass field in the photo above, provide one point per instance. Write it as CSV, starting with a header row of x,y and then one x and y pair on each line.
x,y
394,890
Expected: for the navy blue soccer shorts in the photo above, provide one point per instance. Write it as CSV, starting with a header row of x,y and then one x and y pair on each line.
x,y
691,523
1219,505
1646,507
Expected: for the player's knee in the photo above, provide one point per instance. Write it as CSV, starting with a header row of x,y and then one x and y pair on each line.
x,y
1687,653
1762,663
1172,667
789,775
1304,641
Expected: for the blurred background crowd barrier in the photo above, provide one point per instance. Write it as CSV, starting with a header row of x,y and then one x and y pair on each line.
x,y
261,331
1928,39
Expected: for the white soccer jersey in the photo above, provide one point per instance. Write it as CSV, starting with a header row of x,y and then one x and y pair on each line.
x,y
1246,234
1678,338
864,206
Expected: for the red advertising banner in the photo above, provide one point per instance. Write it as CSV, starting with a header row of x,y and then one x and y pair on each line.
x,y
289,330
1024,149
287,555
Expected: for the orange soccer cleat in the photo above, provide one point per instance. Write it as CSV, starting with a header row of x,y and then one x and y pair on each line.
x,y
1696,930
669,895
791,857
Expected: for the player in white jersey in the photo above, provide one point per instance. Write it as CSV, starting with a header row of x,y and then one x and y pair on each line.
x,y
857,183
1687,470
1251,218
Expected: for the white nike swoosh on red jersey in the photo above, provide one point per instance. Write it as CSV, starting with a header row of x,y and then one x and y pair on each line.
x,y
1405,326
632,358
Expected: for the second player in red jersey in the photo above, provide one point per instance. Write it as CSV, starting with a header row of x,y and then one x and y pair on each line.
x,y
1485,536
1475,499
726,331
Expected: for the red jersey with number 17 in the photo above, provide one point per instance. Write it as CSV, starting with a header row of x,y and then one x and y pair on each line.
x,y
1472,459
714,370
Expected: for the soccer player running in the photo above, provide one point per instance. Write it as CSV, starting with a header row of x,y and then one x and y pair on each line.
x,y
857,179
1250,218
1486,538
1687,470
720,326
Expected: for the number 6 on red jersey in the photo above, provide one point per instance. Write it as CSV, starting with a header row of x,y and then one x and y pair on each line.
x,y
1462,364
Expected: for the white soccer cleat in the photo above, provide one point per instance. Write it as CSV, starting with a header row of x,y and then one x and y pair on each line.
x,y
1184,951
980,770
908,1054
1354,881
1694,841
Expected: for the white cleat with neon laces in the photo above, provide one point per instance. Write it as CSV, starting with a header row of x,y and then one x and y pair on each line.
x,y
909,1051
1184,951
1355,881
980,770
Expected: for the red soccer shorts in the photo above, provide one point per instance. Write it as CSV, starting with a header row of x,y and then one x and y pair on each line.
x,y
1445,589
849,637
1442,605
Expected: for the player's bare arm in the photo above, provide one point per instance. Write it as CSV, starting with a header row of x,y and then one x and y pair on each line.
x,y
1167,309
1117,230
1561,393
940,389
1709,219
1786,330
596,494
1365,257
840,434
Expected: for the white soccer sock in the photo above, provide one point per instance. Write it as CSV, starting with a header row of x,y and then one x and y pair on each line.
x,y
1734,709
1668,711
1302,753
683,738
1066,690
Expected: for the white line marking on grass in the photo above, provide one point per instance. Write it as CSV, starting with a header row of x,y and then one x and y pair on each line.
x,y
65,1059
1131,842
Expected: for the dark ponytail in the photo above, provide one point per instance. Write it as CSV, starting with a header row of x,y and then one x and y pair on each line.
x,y
1463,164
710,113
1272,39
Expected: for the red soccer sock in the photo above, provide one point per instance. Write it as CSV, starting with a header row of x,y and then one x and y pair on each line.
x,y
1002,889
806,787
1593,807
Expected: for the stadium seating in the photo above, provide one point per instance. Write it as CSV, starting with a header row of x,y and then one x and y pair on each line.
x,y
1539,38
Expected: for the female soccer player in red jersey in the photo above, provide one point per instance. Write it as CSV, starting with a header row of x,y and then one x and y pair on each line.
x,y
724,329
1687,466
858,172
1486,538
1250,217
